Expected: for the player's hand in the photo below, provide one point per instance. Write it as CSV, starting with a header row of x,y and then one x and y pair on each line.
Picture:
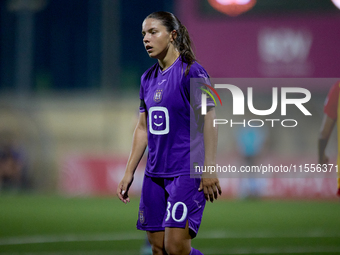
x,y
123,188
210,186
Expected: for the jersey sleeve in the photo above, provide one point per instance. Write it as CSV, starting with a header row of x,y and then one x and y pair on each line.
x,y
331,103
198,82
142,106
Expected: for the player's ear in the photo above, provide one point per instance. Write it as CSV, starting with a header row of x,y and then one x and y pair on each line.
x,y
173,35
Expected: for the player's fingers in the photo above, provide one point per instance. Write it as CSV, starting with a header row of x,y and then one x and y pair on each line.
x,y
211,194
125,195
201,186
119,192
206,193
219,188
125,200
119,188
215,191
121,198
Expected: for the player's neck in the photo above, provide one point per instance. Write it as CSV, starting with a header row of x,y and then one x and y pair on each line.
x,y
169,59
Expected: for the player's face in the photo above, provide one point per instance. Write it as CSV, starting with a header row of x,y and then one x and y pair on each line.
x,y
157,40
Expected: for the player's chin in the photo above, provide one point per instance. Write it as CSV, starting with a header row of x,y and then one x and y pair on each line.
x,y
155,54
152,55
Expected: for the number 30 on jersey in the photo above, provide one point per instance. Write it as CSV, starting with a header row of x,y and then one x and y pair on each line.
x,y
171,212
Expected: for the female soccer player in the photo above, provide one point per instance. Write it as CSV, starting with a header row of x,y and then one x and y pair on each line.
x,y
172,203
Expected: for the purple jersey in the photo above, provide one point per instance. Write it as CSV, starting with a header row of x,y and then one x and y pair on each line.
x,y
165,97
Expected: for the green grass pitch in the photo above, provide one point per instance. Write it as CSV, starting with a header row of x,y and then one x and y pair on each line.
x,y
33,224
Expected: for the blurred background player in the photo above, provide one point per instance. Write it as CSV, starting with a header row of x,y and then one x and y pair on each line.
x,y
172,203
12,166
250,145
331,116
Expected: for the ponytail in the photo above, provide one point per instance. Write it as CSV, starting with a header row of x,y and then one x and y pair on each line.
x,y
182,41
183,44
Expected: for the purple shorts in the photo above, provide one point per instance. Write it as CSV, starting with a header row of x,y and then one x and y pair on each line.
x,y
170,202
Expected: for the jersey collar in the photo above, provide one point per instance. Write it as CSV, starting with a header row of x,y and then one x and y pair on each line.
x,y
170,67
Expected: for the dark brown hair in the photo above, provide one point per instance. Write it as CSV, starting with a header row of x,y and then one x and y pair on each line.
x,y
182,41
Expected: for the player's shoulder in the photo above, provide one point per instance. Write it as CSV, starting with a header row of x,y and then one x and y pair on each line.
x,y
150,73
197,71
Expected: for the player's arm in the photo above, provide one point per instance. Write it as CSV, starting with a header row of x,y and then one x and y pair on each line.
x,y
139,143
326,129
209,182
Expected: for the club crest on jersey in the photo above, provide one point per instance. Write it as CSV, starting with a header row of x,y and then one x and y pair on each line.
x,y
157,97
141,217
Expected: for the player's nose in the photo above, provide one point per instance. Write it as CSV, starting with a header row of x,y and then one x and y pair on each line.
x,y
146,39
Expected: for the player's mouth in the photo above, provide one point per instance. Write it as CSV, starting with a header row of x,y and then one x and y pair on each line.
x,y
148,48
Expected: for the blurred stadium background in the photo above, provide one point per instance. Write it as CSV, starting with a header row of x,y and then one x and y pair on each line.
x,y
69,97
